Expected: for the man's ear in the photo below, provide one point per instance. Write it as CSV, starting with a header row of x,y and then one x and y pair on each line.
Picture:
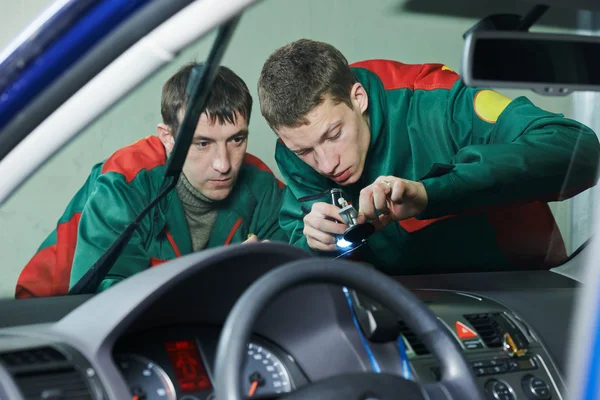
x,y
359,97
166,137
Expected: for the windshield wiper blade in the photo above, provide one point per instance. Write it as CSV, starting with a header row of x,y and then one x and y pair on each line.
x,y
199,90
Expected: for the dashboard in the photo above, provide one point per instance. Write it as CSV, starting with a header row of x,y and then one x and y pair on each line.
x,y
154,336
181,359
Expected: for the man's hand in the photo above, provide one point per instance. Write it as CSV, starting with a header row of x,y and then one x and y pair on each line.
x,y
395,198
252,238
320,231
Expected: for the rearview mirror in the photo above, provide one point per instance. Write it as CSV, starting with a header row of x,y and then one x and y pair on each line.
x,y
549,64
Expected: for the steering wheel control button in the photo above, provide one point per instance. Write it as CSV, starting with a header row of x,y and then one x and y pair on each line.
x,y
535,388
498,390
464,332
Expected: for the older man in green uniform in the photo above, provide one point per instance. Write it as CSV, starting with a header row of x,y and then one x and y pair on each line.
x,y
453,177
223,196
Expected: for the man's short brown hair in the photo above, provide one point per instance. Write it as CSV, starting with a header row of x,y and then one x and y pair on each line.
x,y
229,94
297,77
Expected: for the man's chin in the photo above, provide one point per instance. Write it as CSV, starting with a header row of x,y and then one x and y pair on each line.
x,y
218,194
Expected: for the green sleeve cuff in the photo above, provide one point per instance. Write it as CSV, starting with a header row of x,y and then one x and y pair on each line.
x,y
440,196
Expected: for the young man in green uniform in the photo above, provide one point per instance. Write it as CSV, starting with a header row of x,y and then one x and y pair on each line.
x,y
224,195
453,177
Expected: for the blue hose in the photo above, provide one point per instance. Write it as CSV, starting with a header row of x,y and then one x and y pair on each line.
x,y
370,354
375,365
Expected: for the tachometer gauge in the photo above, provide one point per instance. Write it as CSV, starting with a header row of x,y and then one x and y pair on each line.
x,y
146,380
264,373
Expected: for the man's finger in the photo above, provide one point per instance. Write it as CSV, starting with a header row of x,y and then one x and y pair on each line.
x,y
318,236
365,203
323,210
398,191
380,192
361,218
383,221
312,238
251,239
319,223
410,190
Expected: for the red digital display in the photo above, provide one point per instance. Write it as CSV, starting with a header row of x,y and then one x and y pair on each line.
x,y
189,369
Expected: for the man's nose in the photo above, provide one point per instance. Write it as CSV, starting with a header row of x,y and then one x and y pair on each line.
x,y
221,162
326,160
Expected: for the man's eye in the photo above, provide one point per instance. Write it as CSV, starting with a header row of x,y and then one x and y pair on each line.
x,y
239,139
336,136
203,144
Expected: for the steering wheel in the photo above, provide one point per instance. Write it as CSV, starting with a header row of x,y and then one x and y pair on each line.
x,y
457,379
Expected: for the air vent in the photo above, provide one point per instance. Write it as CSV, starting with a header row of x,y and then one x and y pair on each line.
x,y
46,373
492,326
29,357
414,341
64,384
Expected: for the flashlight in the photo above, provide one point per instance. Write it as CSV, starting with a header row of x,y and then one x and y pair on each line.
x,y
356,233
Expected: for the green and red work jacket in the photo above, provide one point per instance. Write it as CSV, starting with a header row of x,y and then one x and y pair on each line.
x,y
489,164
115,192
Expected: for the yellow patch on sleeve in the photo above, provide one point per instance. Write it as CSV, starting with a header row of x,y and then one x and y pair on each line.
x,y
489,105
445,68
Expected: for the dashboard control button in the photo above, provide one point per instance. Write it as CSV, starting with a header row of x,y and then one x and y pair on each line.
x,y
472,344
498,369
464,332
535,388
498,390
521,364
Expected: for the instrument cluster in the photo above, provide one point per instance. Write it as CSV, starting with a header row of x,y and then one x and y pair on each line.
x,y
163,366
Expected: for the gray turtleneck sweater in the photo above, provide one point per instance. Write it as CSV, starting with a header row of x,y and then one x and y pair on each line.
x,y
200,212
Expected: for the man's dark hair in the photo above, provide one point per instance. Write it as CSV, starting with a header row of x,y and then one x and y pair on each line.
x,y
229,94
297,77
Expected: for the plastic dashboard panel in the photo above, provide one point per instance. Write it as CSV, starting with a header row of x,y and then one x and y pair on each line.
x,y
313,323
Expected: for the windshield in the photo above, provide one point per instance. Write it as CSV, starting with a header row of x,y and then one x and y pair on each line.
x,y
364,145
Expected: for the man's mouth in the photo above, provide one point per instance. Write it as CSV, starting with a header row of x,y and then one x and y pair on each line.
x,y
221,182
342,176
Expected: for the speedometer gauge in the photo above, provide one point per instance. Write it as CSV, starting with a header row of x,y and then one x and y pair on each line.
x,y
264,373
146,380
